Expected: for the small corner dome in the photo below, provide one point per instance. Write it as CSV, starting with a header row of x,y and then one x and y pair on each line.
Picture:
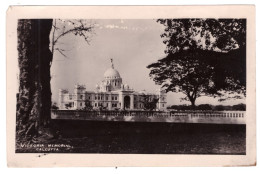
x,y
111,73
143,92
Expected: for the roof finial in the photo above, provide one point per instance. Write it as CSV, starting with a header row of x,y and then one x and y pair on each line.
x,y
112,65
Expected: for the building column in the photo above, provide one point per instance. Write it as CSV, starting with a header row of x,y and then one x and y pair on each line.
x,y
131,102
109,102
109,105
122,102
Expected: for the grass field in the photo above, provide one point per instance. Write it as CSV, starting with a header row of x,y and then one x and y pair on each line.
x,y
146,138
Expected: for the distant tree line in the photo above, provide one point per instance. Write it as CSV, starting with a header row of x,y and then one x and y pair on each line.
x,y
208,107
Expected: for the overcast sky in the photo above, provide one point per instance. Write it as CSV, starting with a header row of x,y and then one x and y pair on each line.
x,y
133,44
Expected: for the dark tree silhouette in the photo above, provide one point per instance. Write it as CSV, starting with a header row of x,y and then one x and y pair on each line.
x,y
219,108
34,57
211,34
149,104
239,107
33,116
187,74
88,106
68,105
200,53
204,107
207,107
54,106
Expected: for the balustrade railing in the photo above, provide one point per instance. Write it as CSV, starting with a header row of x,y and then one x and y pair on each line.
x,y
218,117
193,114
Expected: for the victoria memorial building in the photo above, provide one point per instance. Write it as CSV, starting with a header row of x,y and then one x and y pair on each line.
x,y
111,94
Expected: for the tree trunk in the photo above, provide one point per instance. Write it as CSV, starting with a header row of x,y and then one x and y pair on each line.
x,y
192,100
192,103
34,57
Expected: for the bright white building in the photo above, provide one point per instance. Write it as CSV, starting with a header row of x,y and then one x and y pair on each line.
x,y
111,94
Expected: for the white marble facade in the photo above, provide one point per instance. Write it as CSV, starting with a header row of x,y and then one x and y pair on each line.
x,y
111,94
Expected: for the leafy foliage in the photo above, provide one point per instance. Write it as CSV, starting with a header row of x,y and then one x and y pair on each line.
x,y
88,106
54,106
68,105
184,72
204,107
211,34
208,107
149,104
239,107
200,53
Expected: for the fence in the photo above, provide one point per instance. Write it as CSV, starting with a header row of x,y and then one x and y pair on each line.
x,y
218,117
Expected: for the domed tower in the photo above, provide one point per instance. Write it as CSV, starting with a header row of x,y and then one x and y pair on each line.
x,y
162,95
79,96
112,79
62,94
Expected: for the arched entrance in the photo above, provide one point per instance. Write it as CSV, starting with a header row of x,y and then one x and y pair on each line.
x,y
126,102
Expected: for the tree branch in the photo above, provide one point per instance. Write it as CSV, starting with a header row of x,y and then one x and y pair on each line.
x,y
72,30
61,52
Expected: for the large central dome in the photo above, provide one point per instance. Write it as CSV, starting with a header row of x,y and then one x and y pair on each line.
x,y
111,73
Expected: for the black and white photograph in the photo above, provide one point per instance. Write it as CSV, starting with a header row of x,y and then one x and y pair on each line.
x,y
157,86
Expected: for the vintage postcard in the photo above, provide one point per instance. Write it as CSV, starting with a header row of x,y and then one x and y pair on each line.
x,y
131,86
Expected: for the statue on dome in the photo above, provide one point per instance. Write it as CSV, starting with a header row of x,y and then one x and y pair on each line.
x,y
112,64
